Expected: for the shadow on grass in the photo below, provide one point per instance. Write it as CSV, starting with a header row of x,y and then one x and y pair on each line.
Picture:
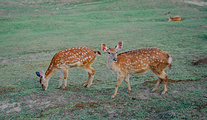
x,y
172,81
198,62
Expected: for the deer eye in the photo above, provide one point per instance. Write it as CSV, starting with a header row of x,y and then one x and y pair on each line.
x,y
109,53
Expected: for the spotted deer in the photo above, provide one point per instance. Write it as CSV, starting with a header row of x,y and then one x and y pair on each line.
x,y
176,18
72,57
137,61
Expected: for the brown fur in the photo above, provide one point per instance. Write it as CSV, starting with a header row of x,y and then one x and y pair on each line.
x,y
138,61
177,18
68,58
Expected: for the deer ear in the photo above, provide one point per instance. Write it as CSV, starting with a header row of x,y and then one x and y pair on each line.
x,y
104,47
119,45
38,74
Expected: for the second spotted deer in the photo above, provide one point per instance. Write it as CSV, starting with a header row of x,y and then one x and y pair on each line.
x,y
137,61
68,58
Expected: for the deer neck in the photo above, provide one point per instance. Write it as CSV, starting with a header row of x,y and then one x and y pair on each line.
x,y
49,72
169,17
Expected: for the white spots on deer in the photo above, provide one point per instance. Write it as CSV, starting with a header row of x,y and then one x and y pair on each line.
x,y
137,61
68,58
75,56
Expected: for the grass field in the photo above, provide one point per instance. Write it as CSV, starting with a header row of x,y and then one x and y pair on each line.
x,y
32,31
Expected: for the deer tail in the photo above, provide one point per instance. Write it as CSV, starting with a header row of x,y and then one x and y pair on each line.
x,y
97,53
170,61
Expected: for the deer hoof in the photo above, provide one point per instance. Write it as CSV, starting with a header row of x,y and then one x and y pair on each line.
x,y
88,86
85,85
129,91
163,92
154,90
64,87
113,96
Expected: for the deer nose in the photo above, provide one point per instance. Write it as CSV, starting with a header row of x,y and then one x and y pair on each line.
x,y
115,59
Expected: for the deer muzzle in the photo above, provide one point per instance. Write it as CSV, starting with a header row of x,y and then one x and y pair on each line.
x,y
115,60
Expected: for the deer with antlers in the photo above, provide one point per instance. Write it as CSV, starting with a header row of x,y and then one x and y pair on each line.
x,y
68,58
137,61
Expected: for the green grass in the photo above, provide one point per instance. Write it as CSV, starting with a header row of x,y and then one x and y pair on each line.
x,y
31,32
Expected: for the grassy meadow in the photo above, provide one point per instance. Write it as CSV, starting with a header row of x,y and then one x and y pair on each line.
x,y
32,31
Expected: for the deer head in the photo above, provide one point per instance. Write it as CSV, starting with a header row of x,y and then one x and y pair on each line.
x,y
112,51
42,80
167,13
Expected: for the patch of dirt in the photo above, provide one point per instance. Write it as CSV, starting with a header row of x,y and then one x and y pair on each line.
x,y
85,105
201,61
111,111
11,107
35,102
147,94
4,90
2,66
200,107
5,61
196,3
2,12
75,88
44,101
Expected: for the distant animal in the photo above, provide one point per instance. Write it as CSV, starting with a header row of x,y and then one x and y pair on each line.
x,y
137,61
66,59
176,18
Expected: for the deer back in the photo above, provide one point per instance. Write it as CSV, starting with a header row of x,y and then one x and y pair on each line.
x,y
177,18
72,57
140,60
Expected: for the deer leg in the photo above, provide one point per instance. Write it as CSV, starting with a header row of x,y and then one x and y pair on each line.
x,y
157,84
86,83
60,79
165,87
119,80
127,81
65,72
164,77
91,73
91,77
